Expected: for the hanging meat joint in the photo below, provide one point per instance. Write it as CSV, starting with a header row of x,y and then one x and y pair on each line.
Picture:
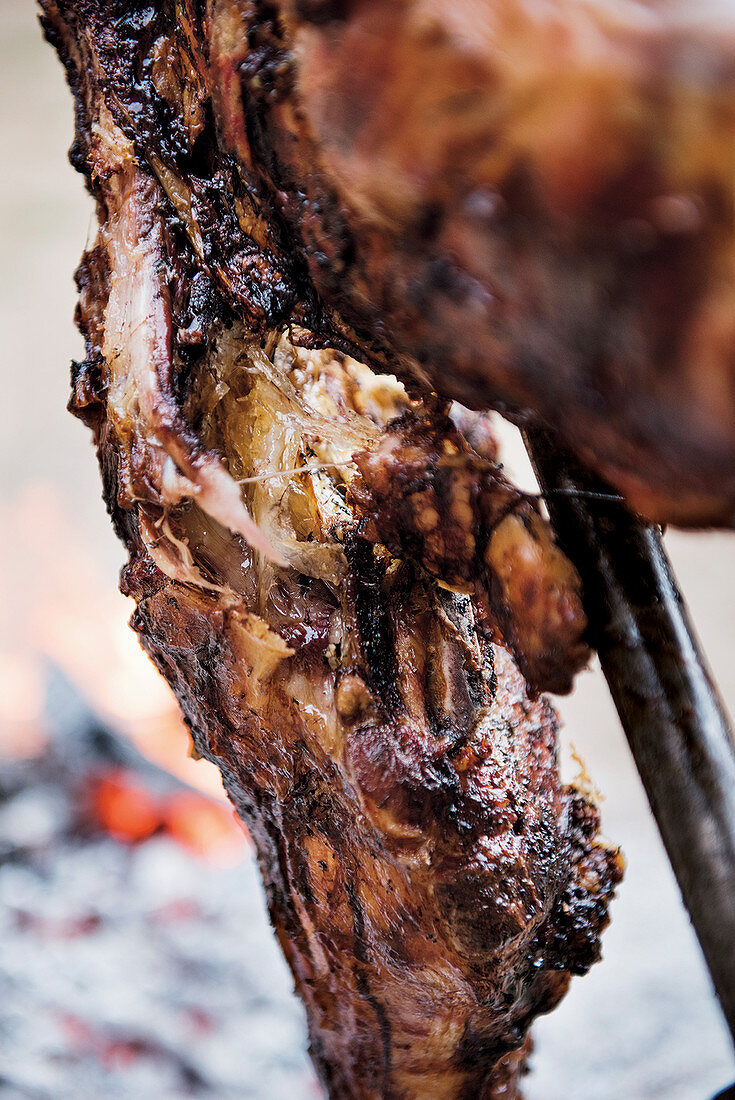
x,y
355,608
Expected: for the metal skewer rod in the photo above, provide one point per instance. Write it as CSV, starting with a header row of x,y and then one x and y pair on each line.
x,y
673,717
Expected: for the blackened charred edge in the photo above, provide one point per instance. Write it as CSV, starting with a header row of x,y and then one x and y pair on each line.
x,y
373,621
260,280
266,70
266,77
53,26
271,285
569,940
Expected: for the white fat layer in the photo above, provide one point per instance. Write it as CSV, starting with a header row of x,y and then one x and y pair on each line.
x,y
137,349
293,419
305,414
172,555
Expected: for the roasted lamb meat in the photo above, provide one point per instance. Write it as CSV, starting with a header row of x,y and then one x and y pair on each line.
x,y
525,205
355,608
426,495
530,200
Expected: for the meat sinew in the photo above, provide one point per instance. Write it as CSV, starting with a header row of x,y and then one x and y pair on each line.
x,y
345,645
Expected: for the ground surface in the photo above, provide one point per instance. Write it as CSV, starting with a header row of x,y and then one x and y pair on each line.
x,y
642,1026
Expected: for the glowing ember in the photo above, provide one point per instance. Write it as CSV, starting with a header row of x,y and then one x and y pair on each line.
x,y
119,804
122,807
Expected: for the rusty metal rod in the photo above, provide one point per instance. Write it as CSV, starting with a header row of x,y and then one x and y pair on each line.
x,y
673,717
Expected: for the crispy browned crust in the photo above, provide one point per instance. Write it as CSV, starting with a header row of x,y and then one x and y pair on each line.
x,y
427,495
529,206
532,201
431,882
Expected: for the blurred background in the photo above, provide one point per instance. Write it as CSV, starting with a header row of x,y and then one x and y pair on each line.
x,y
136,960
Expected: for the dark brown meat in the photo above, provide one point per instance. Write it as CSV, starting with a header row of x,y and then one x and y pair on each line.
x,y
425,494
524,205
532,201
431,881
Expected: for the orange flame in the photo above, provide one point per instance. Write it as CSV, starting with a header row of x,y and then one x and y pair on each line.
x,y
120,805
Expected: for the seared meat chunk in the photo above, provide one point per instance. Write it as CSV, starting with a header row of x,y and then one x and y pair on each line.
x,y
427,495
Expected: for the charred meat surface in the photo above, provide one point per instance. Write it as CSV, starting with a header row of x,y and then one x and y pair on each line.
x,y
425,494
532,201
432,883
